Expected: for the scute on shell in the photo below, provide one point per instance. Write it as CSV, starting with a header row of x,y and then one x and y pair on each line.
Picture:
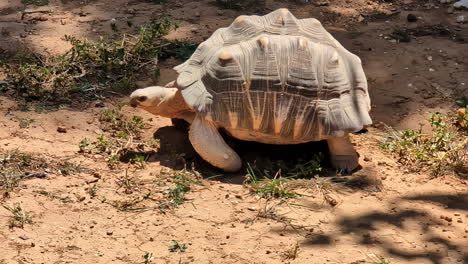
x,y
276,74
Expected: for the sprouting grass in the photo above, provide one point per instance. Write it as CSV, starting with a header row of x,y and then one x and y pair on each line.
x,y
123,140
442,150
19,216
182,180
90,68
268,188
279,186
127,183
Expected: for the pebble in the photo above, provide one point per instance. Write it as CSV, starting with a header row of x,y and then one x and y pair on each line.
x,y
412,18
99,104
61,129
450,10
252,208
109,233
461,19
366,158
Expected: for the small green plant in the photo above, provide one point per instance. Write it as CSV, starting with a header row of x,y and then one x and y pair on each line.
x,y
139,161
85,145
124,138
90,69
268,188
19,216
177,247
444,149
9,179
92,191
25,122
183,181
128,183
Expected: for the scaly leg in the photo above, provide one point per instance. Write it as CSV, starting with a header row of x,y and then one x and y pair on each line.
x,y
209,144
343,154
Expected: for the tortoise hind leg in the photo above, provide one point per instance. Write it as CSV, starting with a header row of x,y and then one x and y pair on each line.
x,y
209,144
343,155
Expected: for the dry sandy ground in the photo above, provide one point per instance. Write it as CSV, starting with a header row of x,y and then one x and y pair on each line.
x,y
405,217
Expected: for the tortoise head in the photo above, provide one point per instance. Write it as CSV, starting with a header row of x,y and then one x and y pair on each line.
x,y
159,100
149,97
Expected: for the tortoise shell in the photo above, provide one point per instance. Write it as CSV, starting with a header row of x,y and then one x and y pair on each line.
x,y
277,75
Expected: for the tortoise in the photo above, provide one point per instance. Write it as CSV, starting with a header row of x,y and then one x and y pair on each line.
x,y
273,79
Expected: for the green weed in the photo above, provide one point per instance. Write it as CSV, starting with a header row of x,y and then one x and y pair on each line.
x,y
177,247
19,216
268,188
123,140
90,68
182,182
442,150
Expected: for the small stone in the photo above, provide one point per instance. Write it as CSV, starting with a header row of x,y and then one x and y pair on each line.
x,y
23,237
429,58
252,208
197,14
431,70
109,233
99,104
220,12
450,10
366,158
412,18
461,19
61,129
23,35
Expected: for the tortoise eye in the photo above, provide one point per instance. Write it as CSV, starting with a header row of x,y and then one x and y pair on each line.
x,y
142,98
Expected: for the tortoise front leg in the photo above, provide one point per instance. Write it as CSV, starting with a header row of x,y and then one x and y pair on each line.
x,y
343,155
209,144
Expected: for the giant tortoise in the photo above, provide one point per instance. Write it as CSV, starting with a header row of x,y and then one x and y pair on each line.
x,y
272,79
